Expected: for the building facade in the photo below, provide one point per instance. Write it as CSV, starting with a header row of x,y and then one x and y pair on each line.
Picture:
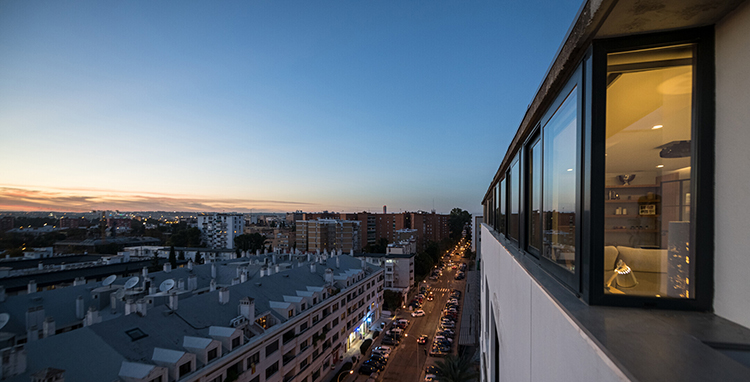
x,y
612,228
328,235
219,230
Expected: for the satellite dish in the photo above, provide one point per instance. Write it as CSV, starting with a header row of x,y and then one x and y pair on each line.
x,y
120,294
4,318
131,282
166,285
109,280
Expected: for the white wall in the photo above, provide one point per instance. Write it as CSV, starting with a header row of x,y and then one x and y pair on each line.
x,y
732,242
538,341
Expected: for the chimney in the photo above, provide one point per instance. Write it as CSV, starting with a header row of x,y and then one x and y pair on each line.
x,y
129,306
173,300
329,276
235,281
243,276
113,302
313,269
144,272
263,271
34,320
247,308
40,266
79,307
274,257
364,264
31,287
92,316
192,282
79,281
190,264
2,293
14,361
212,285
141,307
237,271
48,327
276,268
167,267
32,333
152,289
213,270
309,256
338,261
181,284
223,296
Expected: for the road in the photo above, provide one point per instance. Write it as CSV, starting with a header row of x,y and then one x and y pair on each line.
x,y
408,361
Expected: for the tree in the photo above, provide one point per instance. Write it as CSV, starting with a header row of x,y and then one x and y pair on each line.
x,y
456,222
198,258
154,264
391,300
181,256
172,257
456,369
250,242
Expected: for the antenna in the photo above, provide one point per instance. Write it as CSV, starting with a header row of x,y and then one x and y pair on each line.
x,y
4,318
131,282
166,285
109,280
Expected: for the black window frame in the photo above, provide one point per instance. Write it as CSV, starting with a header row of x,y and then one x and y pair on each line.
x,y
702,163
534,138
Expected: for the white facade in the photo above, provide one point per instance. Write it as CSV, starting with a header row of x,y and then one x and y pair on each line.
x,y
219,230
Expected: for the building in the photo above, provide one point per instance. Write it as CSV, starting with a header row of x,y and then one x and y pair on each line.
x,y
7,223
398,264
219,230
284,322
614,240
284,240
476,238
327,235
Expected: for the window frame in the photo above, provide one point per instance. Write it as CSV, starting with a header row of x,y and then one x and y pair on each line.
x,y
535,138
702,163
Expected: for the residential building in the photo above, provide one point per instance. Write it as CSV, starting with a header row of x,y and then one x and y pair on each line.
x,y
614,238
219,230
398,264
279,322
476,238
327,235
284,240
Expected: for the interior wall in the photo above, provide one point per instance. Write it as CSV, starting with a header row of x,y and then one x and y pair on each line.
x,y
732,190
538,341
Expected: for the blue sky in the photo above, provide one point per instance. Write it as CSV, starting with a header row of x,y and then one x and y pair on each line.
x,y
265,105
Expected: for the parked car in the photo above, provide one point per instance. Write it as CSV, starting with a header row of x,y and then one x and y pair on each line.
x,y
430,378
389,341
367,369
417,313
449,325
379,358
382,350
432,370
374,364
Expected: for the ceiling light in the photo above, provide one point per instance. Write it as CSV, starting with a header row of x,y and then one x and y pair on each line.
x,y
570,169
656,127
660,166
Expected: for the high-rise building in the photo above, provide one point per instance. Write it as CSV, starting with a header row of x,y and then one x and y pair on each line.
x,y
615,229
219,230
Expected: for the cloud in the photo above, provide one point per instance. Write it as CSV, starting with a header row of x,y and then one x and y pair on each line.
x,y
17,198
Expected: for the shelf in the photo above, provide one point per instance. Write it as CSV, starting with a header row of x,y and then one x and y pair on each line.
x,y
632,186
631,216
633,230
649,201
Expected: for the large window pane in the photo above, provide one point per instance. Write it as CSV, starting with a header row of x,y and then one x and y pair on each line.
x,y
648,171
514,196
503,206
560,145
535,195
496,199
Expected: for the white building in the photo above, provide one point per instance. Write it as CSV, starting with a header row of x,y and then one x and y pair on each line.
x,y
398,264
614,243
219,230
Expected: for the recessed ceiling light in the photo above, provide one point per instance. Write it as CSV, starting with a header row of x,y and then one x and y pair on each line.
x,y
660,166
657,127
570,169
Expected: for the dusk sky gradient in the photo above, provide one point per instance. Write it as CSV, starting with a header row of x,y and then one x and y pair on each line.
x,y
265,105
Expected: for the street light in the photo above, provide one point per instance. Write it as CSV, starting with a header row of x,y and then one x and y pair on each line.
x,y
343,374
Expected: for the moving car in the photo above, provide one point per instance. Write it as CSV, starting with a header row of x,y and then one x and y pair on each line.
x,y
422,339
417,313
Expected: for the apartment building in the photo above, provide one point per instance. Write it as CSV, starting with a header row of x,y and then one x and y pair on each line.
x,y
280,322
328,235
614,240
219,230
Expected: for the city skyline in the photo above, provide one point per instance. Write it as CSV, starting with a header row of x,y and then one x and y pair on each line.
x,y
264,106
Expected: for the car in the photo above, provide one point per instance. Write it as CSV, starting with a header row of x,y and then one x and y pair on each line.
x,y
385,351
379,358
449,325
447,333
366,369
422,339
441,338
374,365
430,378
402,323
389,341
417,313
432,370
430,298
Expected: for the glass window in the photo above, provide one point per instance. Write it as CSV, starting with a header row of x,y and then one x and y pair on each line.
x,y
648,171
503,206
559,204
496,207
535,195
272,348
514,198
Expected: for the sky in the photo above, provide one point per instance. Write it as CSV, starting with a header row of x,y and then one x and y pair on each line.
x,y
254,106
